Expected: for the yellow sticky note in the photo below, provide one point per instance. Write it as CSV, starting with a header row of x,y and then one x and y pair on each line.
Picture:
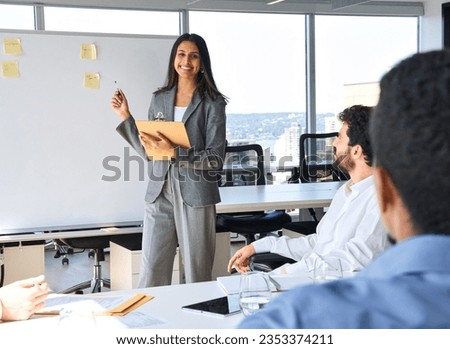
x,y
10,69
12,47
92,80
88,51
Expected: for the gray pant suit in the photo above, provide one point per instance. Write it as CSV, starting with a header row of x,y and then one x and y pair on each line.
x,y
181,194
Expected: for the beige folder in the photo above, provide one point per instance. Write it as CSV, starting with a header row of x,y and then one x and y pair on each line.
x,y
174,130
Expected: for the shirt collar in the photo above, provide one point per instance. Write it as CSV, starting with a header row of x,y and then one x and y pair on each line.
x,y
426,252
355,188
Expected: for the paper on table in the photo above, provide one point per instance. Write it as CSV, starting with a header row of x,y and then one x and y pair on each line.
x,y
230,284
99,304
137,319
129,305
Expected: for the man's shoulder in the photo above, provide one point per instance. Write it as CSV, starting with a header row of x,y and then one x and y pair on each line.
x,y
329,305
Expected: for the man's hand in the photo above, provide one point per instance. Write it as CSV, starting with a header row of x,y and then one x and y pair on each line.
x,y
241,259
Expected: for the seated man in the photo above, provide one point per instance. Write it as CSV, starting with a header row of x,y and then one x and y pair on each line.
x,y
21,299
351,229
408,285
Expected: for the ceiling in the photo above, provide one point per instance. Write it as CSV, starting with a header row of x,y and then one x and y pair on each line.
x,y
287,6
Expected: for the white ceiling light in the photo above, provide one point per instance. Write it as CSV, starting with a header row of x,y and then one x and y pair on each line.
x,y
274,2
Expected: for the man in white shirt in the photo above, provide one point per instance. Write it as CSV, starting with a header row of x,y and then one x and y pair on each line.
x,y
351,229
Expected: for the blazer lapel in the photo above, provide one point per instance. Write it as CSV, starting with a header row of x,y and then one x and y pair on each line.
x,y
196,99
169,102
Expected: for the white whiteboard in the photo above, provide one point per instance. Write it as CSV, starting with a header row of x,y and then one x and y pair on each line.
x,y
55,134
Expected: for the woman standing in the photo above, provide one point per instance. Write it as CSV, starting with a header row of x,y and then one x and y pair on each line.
x,y
182,190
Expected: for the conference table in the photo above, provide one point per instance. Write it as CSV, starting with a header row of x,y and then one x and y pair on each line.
x,y
276,197
164,311
233,199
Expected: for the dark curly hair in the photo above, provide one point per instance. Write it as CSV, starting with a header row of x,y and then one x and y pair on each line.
x,y
410,132
357,119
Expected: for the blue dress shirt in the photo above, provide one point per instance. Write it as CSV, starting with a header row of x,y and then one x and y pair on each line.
x,y
408,286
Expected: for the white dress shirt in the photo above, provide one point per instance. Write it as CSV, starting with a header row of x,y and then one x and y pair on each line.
x,y
179,113
350,230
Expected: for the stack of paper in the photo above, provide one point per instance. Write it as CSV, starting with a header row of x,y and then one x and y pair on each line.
x,y
99,304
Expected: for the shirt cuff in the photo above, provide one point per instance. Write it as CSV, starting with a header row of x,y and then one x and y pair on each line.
x,y
264,244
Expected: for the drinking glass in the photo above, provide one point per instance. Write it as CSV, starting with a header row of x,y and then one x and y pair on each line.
x,y
254,292
327,269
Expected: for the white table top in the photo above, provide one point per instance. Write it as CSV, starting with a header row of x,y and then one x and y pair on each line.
x,y
164,311
233,199
8,238
276,197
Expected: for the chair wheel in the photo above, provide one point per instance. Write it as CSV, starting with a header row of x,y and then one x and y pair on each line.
x,y
65,261
79,292
91,254
70,250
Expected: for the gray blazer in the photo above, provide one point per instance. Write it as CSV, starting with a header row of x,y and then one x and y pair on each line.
x,y
205,123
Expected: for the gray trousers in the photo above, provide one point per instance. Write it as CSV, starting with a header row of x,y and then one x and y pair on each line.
x,y
169,222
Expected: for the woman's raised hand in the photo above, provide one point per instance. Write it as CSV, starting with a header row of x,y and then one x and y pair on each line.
x,y
119,104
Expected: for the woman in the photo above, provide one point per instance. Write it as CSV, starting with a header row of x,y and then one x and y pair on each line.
x,y
182,191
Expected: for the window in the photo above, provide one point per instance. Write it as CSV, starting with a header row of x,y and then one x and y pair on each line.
x,y
16,17
352,54
111,21
258,61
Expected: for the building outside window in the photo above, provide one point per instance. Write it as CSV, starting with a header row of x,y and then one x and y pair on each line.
x,y
259,62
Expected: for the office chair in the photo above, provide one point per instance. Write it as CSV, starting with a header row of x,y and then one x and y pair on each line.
x,y
63,250
97,244
244,165
316,165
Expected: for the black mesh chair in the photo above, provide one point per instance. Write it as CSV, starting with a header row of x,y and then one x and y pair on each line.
x,y
316,165
317,158
244,165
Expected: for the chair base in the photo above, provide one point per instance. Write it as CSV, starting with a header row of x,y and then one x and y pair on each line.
x,y
97,282
96,285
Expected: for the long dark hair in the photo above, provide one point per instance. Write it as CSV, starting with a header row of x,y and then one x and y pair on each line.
x,y
205,80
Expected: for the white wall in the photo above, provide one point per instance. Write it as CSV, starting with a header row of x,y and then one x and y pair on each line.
x,y
431,26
